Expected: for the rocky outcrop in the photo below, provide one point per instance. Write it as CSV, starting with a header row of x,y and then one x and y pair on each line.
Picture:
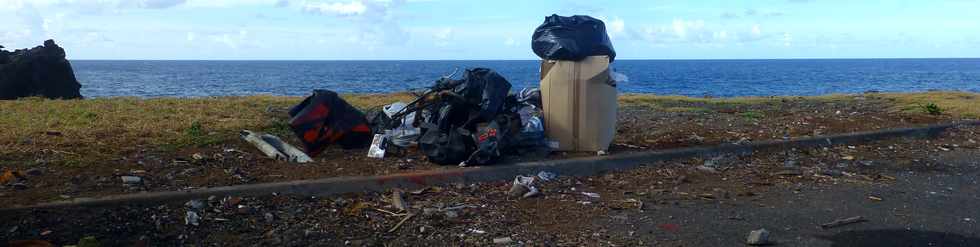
x,y
40,71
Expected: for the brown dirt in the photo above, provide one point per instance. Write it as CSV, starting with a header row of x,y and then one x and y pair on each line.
x,y
640,128
627,211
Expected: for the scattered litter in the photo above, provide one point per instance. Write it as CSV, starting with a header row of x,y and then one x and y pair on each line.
x,y
532,192
265,147
842,222
707,169
503,240
131,179
874,198
590,194
197,156
377,149
758,237
46,232
275,148
522,186
192,218
400,223
547,176
847,157
477,231
601,153
398,200
196,204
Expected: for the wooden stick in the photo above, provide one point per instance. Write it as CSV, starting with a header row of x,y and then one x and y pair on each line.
x,y
841,222
393,229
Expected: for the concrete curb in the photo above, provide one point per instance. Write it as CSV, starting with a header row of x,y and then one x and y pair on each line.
x,y
571,167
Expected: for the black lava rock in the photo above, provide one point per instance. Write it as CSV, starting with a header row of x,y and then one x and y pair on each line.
x,y
40,71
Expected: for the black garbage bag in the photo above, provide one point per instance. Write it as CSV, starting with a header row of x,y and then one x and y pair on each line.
x,y
485,90
324,118
571,38
494,139
449,147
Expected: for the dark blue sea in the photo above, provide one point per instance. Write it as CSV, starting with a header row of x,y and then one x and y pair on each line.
x,y
716,78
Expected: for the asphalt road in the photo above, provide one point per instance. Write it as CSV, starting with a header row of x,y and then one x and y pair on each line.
x,y
920,208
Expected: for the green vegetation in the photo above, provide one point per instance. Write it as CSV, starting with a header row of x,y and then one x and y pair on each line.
x,y
82,132
932,109
752,115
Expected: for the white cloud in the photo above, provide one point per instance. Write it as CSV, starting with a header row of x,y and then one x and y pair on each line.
x,y
697,32
158,4
510,42
374,21
343,9
617,25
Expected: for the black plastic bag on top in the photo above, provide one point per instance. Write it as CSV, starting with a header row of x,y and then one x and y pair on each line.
x,y
485,89
571,38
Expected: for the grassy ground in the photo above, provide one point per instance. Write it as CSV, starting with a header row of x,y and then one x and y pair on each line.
x,y
83,132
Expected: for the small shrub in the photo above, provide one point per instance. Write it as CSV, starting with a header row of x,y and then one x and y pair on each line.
x,y
752,115
932,109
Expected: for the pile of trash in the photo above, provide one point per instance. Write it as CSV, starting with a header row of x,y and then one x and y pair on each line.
x,y
473,120
476,119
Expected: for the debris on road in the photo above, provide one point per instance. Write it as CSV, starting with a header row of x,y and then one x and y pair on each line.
x,y
503,240
523,187
758,237
192,218
131,179
842,222
398,200
400,223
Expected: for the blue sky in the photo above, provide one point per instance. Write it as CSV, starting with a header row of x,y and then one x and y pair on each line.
x,y
499,29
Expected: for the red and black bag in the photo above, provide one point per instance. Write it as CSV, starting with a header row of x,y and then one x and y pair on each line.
x,y
324,118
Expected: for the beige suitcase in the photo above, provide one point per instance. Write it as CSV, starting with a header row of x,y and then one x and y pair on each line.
x,y
579,104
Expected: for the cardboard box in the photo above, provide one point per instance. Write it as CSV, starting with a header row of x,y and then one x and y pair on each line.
x,y
579,104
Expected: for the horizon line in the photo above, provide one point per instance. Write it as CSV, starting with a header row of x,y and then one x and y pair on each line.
x,y
618,59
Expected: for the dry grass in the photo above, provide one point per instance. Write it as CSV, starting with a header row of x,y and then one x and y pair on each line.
x,y
85,131
962,104
958,104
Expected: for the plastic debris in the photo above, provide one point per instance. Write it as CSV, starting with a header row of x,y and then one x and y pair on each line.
x,y
405,134
131,179
523,187
590,194
377,149
503,240
275,148
398,200
192,218
758,237
324,119
571,38
547,176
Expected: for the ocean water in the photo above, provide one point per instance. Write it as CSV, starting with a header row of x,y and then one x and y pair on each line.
x,y
716,78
